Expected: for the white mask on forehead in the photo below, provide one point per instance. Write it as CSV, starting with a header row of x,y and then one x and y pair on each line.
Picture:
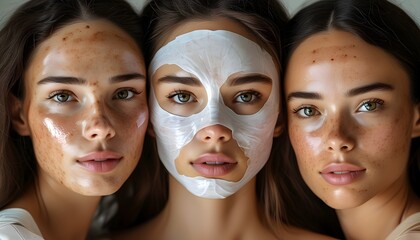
x,y
213,56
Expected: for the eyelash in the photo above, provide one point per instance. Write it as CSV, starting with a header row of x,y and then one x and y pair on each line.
x,y
132,90
71,96
297,110
56,93
370,101
254,93
373,100
175,93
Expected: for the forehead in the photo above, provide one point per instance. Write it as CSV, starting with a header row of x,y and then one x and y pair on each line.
x,y
213,56
334,61
337,46
78,46
85,36
216,23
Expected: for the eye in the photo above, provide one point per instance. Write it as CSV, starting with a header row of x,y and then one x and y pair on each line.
x,y
370,105
247,97
306,112
181,97
61,96
124,94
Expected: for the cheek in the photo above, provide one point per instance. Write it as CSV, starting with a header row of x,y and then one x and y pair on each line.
x,y
132,127
305,144
390,140
48,144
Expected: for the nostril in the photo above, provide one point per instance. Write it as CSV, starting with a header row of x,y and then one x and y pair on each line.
x,y
94,135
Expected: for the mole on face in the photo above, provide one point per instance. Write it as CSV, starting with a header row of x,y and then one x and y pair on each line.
x,y
332,53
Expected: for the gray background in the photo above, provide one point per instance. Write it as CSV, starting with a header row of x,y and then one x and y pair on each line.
x,y
411,6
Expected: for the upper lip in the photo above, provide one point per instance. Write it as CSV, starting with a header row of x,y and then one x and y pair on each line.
x,y
213,158
341,167
99,156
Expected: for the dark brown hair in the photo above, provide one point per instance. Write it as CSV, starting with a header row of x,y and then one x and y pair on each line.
x,y
30,25
266,20
379,23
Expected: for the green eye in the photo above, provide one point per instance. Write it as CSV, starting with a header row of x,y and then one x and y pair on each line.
x,y
247,97
306,112
125,94
370,105
182,97
61,96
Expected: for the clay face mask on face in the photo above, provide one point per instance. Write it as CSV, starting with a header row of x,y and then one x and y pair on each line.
x,y
214,56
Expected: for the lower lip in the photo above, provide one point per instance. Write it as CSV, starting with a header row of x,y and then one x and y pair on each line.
x,y
342,179
212,171
100,166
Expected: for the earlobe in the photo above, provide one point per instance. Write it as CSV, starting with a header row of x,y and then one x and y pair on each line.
x,y
416,126
19,122
150,130
278,130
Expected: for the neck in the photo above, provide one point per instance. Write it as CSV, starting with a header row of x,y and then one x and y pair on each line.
x,y
379,216
59,213
189,217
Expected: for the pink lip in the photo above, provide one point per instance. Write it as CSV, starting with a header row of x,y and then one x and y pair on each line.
x,y
341,173
102,161
213,165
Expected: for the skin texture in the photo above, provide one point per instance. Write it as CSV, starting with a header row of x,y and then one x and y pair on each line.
x,y
350,109
85,93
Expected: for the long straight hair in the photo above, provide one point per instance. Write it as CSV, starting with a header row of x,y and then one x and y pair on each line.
x,y
30,25
379,23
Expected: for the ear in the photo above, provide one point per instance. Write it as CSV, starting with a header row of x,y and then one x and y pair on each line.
x,y
19,121
278,130
151,130
416,126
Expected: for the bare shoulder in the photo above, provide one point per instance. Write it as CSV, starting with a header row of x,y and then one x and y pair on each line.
x,y
294,233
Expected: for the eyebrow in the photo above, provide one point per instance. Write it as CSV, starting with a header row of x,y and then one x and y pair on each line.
x,y
251,79
305,95
81,81
369,88
64,80
350,93
183,80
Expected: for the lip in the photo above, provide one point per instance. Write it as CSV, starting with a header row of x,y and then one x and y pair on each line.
x,y
213,165
100,161
342,173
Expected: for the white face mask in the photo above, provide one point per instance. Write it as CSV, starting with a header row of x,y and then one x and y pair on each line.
x,y
213,56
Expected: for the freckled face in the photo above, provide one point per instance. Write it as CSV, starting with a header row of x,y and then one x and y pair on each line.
x,y
350,118
86,108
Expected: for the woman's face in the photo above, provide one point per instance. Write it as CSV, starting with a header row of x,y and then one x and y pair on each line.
x,y
351,118
85,107
214,105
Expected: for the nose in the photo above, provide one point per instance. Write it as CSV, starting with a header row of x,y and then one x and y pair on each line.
x,y
339,137
214,134
96,126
